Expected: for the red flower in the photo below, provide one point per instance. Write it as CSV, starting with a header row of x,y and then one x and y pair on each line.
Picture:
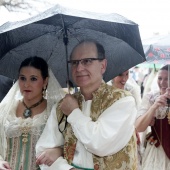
x,y
157,49
150,55
162,55
168,49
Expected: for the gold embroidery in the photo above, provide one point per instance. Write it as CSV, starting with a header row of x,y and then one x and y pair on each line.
x,y
25,130
124,159
103,98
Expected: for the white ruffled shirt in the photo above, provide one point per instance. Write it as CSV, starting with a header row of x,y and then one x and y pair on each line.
x,y
104,137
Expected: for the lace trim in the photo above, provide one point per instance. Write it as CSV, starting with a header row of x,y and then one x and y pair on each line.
x,y
15,126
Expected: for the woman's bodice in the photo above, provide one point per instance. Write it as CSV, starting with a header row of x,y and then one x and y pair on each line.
x,y
22,136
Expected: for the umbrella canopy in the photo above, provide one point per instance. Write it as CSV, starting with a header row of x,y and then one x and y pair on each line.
x,y
53,34
5,85
157,49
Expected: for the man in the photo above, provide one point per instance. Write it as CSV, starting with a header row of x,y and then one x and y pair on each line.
x,y
100,132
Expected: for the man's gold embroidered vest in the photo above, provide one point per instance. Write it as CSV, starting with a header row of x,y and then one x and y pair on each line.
x,y
103,98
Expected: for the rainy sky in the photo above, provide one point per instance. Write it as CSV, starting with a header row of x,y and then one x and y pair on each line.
x,y
152,16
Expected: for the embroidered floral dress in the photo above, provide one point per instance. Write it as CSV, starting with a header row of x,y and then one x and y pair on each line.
x,y
18,137
22,136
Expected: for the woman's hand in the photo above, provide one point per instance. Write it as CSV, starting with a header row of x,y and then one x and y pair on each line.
x,y
160,101
49,156
4,165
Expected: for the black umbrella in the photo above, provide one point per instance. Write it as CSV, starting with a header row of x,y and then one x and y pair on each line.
x,y
53,34
5,85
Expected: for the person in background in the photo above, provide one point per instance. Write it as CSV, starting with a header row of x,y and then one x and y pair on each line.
x,y
97,122
123,81
24,112
154,112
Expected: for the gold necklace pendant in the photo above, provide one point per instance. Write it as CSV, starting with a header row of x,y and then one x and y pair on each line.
x,y
27,112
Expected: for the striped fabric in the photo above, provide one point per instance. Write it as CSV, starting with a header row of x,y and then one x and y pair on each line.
x,y
22,156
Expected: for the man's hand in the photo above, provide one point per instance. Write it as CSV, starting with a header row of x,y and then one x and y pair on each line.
x,y
49,156
68,104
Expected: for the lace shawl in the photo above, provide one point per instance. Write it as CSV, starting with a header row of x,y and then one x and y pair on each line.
x,y
9,104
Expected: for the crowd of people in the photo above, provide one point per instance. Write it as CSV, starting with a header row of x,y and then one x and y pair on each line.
x,y
102,126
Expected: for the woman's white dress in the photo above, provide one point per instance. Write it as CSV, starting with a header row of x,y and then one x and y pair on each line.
x,y
154,158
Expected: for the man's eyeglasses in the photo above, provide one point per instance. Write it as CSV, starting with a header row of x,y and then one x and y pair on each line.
x,y
85,61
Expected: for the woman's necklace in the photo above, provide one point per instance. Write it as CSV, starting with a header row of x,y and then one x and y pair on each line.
x,y
27,112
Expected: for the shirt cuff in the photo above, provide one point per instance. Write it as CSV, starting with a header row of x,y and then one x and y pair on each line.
x,y
60,164
75,115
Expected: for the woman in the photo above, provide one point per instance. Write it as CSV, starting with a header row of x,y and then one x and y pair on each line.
x,y
155,113
24,112
123,81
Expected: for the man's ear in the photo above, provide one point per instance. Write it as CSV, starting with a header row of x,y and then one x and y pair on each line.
x,y
103,66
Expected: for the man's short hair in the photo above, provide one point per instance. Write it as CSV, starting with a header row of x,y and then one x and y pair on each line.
x,y
100,48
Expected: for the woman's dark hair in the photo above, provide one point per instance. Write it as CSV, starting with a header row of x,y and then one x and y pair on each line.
x,y
165,67
38,63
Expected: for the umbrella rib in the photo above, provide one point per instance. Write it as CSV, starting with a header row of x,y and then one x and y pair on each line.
x,y
65,40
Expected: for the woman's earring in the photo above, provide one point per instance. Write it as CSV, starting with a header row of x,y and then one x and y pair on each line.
x,y
44,92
